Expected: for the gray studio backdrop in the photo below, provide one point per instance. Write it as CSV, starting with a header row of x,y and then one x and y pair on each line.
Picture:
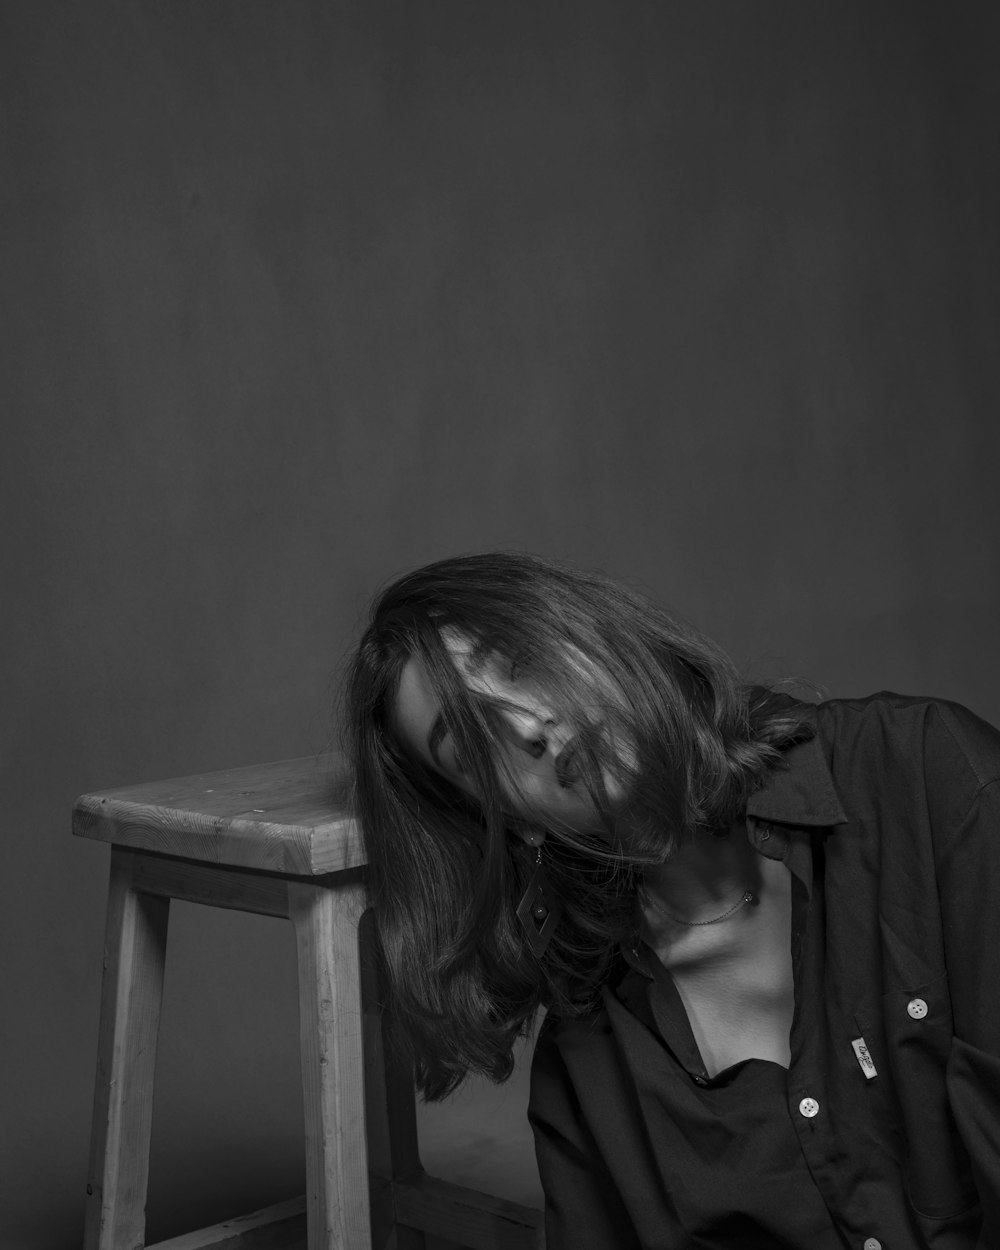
x,y
298,295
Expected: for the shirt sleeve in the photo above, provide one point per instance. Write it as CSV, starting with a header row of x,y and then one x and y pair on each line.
x,y
583,1209
968,872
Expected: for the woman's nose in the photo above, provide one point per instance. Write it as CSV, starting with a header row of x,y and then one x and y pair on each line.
x,y
530,728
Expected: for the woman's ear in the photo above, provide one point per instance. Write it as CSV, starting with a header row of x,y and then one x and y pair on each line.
x,y
533,837
526,830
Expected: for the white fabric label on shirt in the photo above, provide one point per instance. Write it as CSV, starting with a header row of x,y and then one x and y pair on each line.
x,y
864,1058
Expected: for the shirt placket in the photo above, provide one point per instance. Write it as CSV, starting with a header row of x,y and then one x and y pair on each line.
x,y
812,1105
808,1106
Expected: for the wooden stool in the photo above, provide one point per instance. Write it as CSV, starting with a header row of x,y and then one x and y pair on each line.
x,y
278,840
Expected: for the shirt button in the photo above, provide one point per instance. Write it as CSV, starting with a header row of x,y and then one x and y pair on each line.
x,y
917,1008
872,1243
700,1080
809,1107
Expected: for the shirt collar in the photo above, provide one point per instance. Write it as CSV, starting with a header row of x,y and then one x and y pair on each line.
x,y
799,790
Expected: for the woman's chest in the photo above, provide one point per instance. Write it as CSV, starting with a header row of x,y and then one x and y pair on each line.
x,y
740,1009
737,987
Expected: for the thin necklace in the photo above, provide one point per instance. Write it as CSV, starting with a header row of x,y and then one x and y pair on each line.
x,y
746,897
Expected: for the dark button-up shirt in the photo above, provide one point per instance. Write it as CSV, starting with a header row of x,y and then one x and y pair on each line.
x,y
884,1132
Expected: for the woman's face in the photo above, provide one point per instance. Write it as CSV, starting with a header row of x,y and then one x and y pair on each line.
x,y
539,748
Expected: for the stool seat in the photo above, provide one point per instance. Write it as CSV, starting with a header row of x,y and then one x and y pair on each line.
x,y
291,816
276,839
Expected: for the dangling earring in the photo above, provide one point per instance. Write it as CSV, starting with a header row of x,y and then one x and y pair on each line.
x,y
539,909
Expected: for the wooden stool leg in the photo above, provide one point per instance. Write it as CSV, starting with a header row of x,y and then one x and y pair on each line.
x,y
391,1117
131,992
326,927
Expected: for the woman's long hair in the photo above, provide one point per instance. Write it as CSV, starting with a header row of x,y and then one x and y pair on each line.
x,y
657,709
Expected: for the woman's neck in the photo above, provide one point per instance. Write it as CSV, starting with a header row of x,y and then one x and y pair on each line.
x,y
703,878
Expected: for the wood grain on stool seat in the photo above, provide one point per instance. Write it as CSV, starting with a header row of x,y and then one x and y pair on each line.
x,y
290,817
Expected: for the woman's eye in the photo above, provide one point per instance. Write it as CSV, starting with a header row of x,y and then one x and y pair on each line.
x,y
537,748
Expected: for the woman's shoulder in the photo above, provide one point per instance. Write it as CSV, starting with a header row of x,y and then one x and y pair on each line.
x,y
574,1047
584,1023
942,733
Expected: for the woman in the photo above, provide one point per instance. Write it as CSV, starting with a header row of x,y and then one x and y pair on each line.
x,y
764,930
